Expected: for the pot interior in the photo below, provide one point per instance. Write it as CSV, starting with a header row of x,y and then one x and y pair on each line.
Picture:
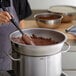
x,y
45,50
41,32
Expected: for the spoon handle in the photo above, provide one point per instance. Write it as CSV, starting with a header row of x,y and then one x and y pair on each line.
x,y
13,21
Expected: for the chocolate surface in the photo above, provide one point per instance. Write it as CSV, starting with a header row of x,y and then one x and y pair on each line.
x,y
48,17
37,40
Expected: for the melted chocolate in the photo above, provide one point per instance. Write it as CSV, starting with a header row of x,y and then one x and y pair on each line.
x,y
37,40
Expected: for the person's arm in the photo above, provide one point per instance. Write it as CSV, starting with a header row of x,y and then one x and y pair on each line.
x,y
22,8
22,24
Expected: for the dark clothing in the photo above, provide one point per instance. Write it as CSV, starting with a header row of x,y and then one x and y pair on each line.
x,y
22,8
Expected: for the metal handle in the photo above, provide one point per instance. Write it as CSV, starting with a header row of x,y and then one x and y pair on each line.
x,y
14,59
66,47
9,55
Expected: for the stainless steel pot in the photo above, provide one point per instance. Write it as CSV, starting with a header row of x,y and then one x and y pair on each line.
x,y
39,50
40,60
41,66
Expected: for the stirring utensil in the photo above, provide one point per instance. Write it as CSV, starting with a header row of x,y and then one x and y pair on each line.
x,y
26,38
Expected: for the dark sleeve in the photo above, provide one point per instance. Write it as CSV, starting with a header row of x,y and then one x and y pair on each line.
x,y
22,8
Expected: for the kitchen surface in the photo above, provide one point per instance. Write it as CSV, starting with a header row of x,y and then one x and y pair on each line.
x,y
45,4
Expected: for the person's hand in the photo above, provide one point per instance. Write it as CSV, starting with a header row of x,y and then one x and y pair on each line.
x,y
4,17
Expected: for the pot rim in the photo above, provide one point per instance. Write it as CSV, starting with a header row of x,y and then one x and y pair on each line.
x,y
65,37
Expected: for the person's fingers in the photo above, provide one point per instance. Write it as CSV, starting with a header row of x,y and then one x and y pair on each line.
x,y
4,17
8,15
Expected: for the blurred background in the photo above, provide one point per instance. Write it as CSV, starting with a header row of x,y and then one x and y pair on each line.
x,y
45,4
